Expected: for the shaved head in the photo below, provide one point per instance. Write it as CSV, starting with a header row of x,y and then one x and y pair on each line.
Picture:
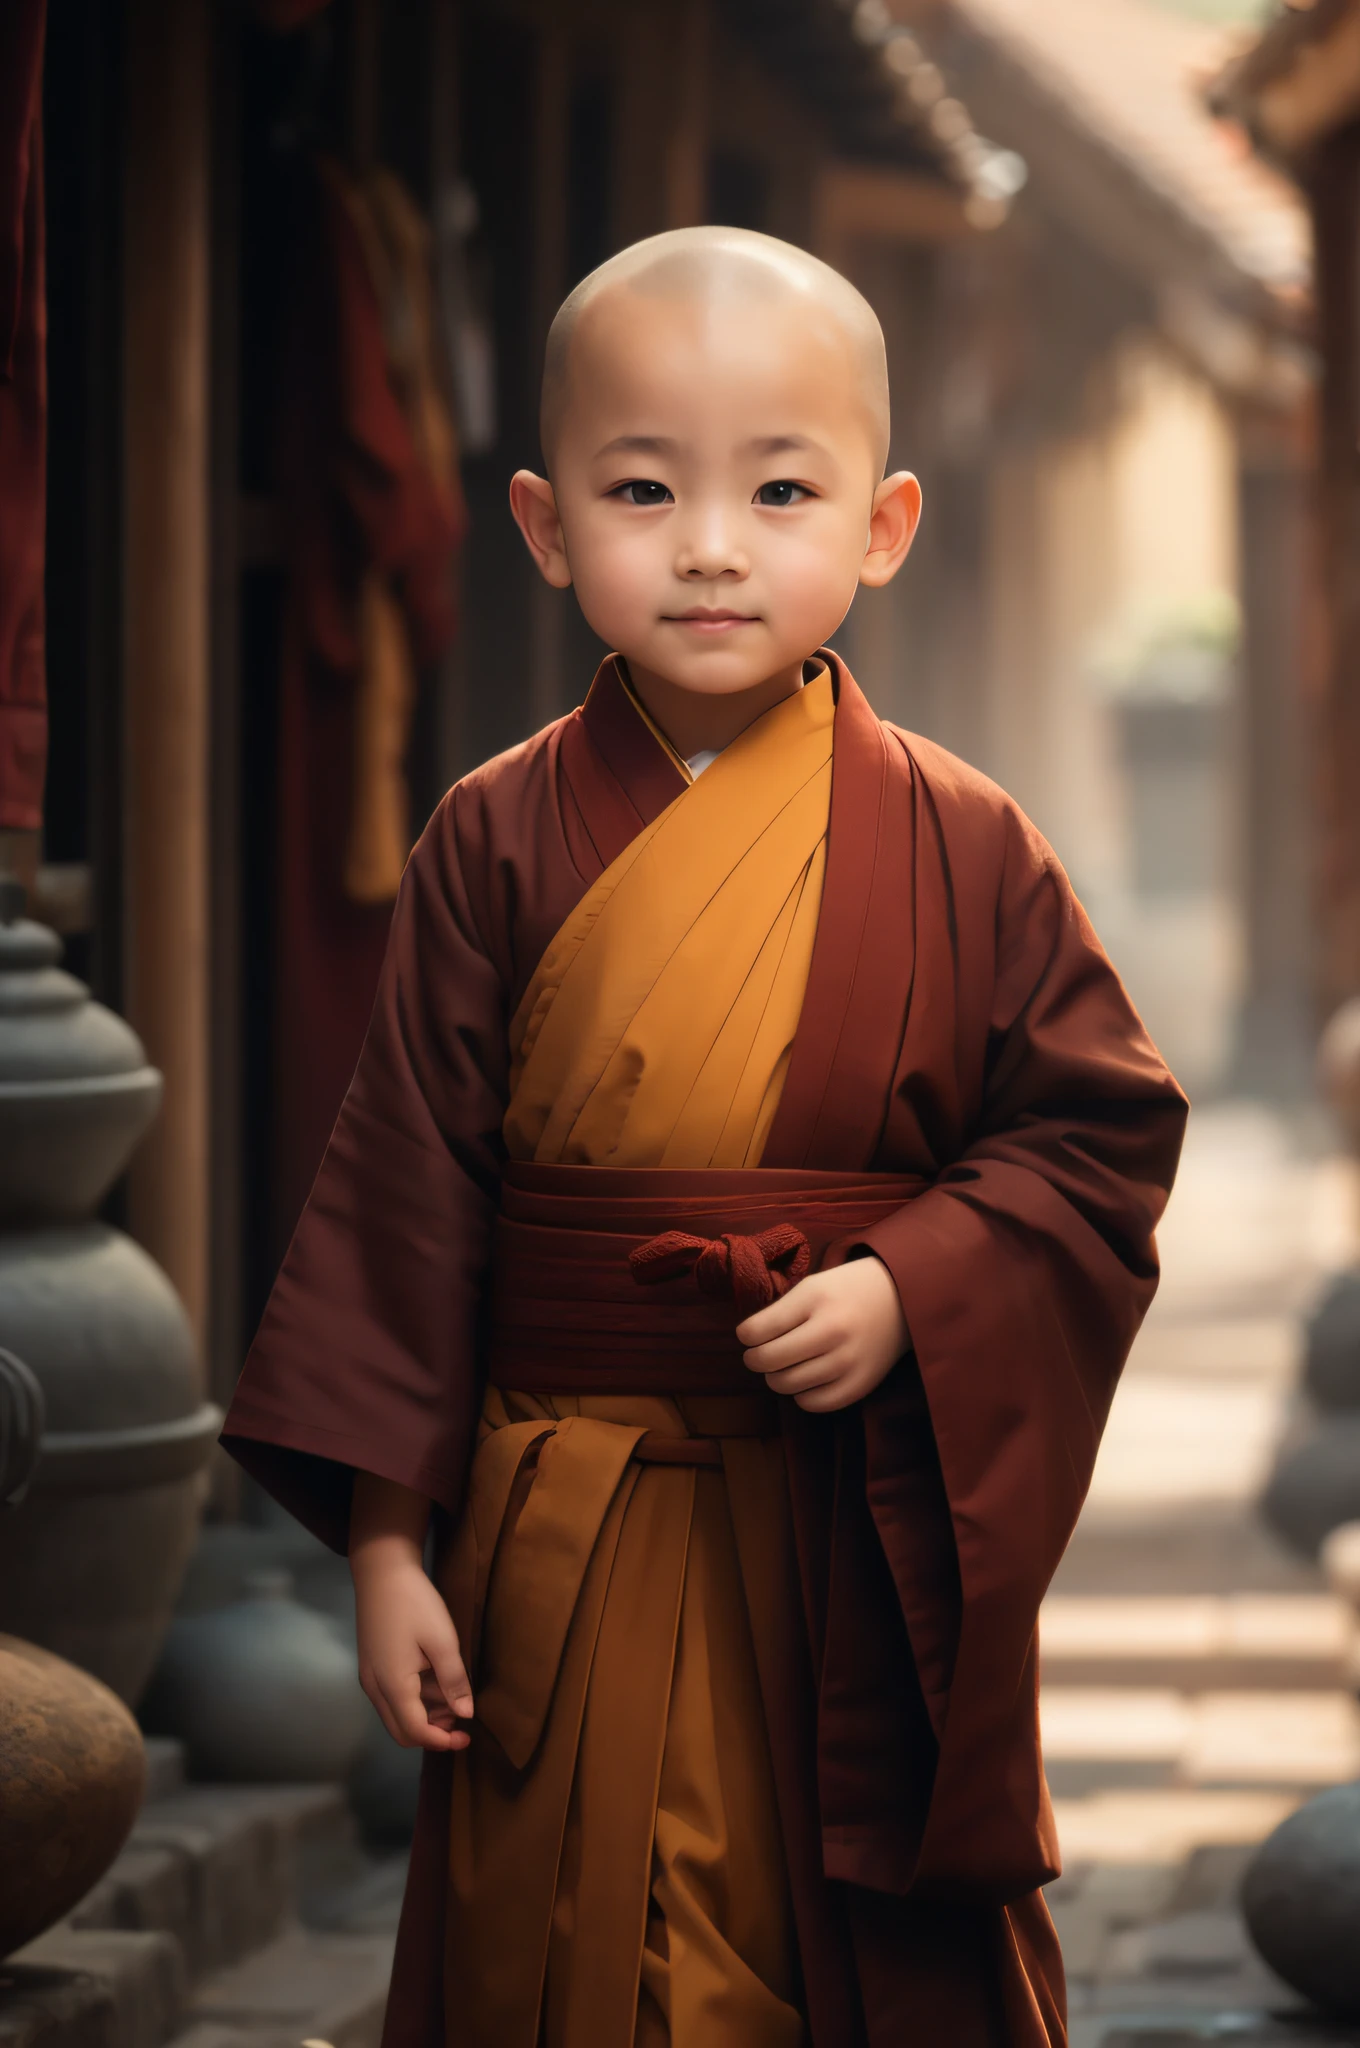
x,y
719,268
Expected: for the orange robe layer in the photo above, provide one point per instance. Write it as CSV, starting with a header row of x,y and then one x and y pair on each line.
x,y
622,1823
969,1095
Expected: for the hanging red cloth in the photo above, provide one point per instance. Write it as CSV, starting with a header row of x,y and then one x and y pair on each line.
x,y
373,516
23,419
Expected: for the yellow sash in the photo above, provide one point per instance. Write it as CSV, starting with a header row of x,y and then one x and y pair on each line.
x,y
657,1028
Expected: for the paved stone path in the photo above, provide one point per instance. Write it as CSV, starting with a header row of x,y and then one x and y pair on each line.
x,y
1196,1676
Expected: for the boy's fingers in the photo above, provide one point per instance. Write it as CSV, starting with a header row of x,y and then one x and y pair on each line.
x,y
448,1672
438,1712
413,1728
799,1379
389,1711
798,1346
826,1399
380,1707
781,1316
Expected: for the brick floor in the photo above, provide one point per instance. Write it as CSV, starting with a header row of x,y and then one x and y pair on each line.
x,y
1196,1675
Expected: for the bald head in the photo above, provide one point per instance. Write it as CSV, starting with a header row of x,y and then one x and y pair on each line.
x,y
716,268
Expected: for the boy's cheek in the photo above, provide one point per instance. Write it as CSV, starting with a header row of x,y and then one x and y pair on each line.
x,y
622,586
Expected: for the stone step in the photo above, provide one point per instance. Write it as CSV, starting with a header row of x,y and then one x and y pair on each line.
x,y
1198,1643
1108,1735
203,1904
306,1986
223,1869
99,1988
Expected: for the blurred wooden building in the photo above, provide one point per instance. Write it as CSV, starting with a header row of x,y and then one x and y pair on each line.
x,y
1296,91
515,143
1126,430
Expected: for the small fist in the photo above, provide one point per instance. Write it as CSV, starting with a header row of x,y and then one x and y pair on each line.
x,y
831,1339
410,1662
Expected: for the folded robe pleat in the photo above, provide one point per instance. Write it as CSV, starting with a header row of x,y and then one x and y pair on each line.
x,y
616,1863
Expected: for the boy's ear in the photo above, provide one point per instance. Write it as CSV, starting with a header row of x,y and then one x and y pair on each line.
x,y
535,510
893,522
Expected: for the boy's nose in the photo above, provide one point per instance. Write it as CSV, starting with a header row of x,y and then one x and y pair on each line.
x,y
711,549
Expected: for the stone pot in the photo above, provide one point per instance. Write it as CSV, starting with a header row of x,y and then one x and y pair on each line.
x,y
1315,1485
1331,1372
384,1784
76,1093
262,1692
22,1414
91,1561
1301,1900
91,1558
72,1769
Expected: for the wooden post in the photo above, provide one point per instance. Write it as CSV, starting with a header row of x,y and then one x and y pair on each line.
x,y
1335,192
445,166
365,59
686,194
165,663
1276,1031
551,112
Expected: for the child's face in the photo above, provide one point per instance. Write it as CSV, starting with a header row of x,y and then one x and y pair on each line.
x,y
716,478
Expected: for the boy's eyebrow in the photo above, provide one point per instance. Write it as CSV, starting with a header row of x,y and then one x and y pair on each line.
x,y
661,444
784,444
638,444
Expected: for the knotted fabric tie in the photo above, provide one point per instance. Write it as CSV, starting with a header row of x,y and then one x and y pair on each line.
x,y
752,1271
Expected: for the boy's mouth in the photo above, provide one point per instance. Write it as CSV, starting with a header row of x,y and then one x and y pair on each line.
x,y
703,619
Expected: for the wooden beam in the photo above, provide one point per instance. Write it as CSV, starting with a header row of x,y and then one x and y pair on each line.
x,y
869,202
1318,93
165,590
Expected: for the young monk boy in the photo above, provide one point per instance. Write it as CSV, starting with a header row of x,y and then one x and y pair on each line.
x,y
735,1228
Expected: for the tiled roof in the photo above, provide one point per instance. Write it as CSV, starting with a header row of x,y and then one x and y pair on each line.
x,y
1128,76
1299,81
880,96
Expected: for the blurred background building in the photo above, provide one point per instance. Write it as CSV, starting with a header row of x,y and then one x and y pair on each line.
x,y
275,277
301,258
301,261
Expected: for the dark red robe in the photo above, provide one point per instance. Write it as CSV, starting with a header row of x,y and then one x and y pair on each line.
x,y
961,1024
356,495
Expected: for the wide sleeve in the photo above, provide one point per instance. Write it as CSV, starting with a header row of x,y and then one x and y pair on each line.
x,y
367,1355
1024,1271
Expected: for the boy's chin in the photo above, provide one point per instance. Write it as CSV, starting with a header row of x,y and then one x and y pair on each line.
x,y
715,672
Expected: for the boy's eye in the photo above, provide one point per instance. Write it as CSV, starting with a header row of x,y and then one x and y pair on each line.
x,y
640,491
781,493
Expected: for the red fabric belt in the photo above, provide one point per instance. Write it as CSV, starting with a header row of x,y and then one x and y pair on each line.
x,y
611,1281
656,1449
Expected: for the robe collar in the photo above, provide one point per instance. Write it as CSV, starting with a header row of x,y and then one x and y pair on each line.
x,y
841,1069
619,773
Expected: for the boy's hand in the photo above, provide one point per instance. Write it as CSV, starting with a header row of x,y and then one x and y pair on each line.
x,y
410,1663
831,1339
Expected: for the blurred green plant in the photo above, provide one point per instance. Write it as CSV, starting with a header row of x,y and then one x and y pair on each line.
x,y
1180,648
1253,13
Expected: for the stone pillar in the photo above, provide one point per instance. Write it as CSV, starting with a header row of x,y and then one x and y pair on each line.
x,y
165,649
